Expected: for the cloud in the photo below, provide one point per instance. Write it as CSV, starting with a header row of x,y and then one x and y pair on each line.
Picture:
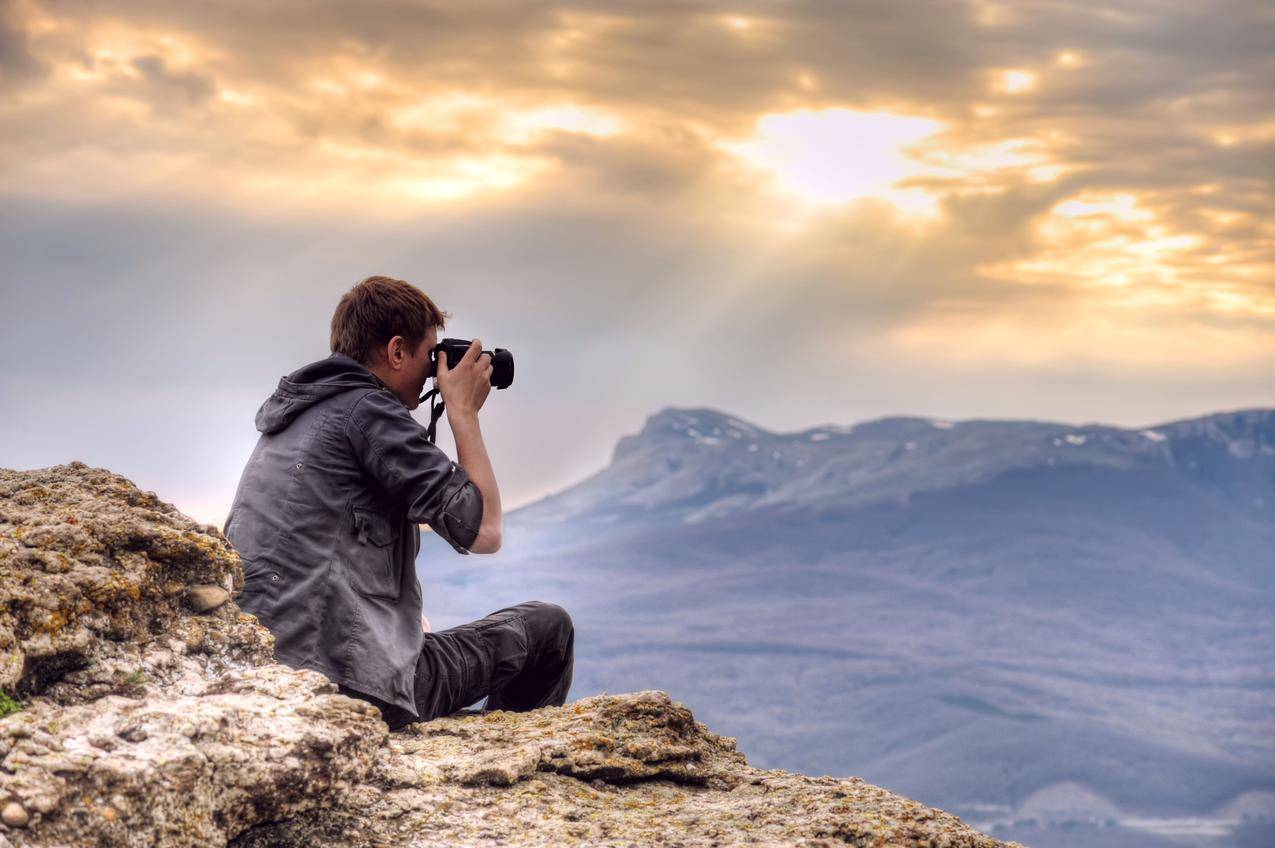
x,y
806,211
18,65
166,86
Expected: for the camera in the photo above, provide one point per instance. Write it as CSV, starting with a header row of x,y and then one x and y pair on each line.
x,y
502,361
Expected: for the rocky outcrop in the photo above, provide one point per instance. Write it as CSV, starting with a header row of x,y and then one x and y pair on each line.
x,y
152,713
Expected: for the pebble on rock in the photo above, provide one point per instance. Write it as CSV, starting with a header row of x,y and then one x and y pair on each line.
x,y
14,815
206,597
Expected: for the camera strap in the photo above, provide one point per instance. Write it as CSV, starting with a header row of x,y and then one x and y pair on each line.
x,y
435,412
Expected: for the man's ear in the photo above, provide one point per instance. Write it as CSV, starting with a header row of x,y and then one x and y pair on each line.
x,y
394,353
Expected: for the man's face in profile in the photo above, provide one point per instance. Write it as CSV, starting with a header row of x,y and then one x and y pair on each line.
x,y
418,369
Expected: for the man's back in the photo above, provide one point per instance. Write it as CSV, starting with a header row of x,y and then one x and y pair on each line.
x,y
325,519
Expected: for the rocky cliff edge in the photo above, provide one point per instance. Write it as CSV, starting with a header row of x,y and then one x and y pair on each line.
x,y
144,708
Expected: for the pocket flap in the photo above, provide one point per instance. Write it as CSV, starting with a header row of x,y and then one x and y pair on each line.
x,y
375,527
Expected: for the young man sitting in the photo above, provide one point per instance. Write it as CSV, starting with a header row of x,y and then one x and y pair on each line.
x,y
326,521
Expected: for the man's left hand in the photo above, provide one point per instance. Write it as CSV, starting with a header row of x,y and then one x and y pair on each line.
x,y
424,623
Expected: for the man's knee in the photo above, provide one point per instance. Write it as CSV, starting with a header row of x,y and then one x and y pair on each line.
x,y
554,620
559,616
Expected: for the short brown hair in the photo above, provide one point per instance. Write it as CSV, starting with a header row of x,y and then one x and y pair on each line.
x,y
376,310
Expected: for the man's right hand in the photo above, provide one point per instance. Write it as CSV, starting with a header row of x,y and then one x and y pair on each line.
x,y
465,387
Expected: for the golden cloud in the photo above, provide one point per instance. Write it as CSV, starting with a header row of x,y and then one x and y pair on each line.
x,y
1027,163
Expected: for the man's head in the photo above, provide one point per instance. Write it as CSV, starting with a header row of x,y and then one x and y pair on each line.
x,y
390,326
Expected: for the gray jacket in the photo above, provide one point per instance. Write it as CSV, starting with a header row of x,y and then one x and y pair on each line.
x,y
325,521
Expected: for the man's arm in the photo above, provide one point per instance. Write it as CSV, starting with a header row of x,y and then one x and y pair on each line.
x,y
464,389
472,455
395,451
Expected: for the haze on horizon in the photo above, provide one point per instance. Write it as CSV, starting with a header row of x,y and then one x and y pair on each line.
x,y
799,213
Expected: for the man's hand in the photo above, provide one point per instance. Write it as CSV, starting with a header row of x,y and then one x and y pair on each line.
x,y
465,387
424,623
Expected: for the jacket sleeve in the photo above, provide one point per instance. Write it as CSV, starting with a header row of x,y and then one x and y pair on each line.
x,y
393,450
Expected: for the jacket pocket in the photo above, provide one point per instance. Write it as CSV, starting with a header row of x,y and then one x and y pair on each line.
x,y
374,566
260,588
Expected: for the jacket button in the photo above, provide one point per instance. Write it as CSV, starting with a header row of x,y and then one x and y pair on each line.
x,y
274,577
298,466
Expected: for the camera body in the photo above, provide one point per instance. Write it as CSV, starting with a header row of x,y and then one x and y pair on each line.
x,y
502,361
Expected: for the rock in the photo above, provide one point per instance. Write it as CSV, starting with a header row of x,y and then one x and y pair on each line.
x,y
205,598
153,713
14,815
84,560
636,768
143,723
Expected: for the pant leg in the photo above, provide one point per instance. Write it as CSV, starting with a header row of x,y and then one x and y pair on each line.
x,y
452,671
520,657
543,678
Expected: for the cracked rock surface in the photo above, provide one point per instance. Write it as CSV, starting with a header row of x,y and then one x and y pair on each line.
x,y
153,714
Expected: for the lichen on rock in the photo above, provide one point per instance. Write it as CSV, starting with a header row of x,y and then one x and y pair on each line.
x,y
153,713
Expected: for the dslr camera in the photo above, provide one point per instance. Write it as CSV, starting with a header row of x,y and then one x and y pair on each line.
x,y
502,375
502,361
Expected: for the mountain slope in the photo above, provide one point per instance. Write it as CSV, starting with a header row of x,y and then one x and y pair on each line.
x,y
970,611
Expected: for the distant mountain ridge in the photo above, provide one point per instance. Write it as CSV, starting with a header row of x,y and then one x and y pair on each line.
x,y
692,464
990,614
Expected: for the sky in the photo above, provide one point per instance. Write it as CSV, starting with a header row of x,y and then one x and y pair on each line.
x,y
798,213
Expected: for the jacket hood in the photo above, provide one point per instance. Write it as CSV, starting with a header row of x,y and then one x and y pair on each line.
x,y
311,384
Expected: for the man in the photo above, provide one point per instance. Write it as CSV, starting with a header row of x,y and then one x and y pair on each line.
x,y
327,512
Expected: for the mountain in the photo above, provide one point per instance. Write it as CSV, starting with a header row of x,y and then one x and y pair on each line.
x,y
973,612
692,465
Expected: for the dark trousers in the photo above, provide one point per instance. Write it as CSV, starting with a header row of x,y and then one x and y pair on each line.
x,y
520,657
